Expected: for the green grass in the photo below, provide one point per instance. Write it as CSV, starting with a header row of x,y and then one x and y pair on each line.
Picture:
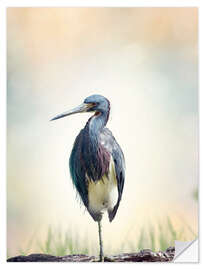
x,y
156,238
195,194
60,244
28,247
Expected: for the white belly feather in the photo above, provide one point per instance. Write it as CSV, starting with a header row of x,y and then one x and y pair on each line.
x,y
103,194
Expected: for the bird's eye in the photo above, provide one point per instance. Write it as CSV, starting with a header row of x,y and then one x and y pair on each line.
x,y
94,103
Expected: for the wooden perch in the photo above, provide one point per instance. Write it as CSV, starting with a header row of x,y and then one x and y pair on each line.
x,y
145,255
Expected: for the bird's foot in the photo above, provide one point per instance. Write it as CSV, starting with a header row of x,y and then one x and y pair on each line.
x,y
101,258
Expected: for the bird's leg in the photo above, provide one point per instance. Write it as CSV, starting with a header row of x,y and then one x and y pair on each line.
x,y
101,254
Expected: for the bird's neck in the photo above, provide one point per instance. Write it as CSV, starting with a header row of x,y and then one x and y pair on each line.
x,y
97,158
97,122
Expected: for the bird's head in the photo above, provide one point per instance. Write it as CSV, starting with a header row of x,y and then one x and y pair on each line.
x,y
94,103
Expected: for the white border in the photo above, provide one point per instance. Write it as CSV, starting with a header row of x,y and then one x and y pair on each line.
x,y
3,231
73,3
100,3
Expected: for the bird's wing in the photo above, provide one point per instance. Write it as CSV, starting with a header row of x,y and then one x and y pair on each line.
x,y
110,143
77,170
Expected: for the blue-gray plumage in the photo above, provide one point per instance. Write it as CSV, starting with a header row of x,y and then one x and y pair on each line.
x,y
97,163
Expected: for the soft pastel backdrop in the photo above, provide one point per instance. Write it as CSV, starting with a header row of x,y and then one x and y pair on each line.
x,y
144,60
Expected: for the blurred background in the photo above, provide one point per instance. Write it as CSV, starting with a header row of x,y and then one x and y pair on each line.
x,y
145,61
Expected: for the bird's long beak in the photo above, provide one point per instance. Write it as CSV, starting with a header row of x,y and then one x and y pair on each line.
x,y
81,108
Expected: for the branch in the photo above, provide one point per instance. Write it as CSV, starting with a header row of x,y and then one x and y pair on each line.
x,y
145,255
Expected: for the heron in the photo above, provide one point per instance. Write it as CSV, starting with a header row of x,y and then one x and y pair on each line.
x,y
97,164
